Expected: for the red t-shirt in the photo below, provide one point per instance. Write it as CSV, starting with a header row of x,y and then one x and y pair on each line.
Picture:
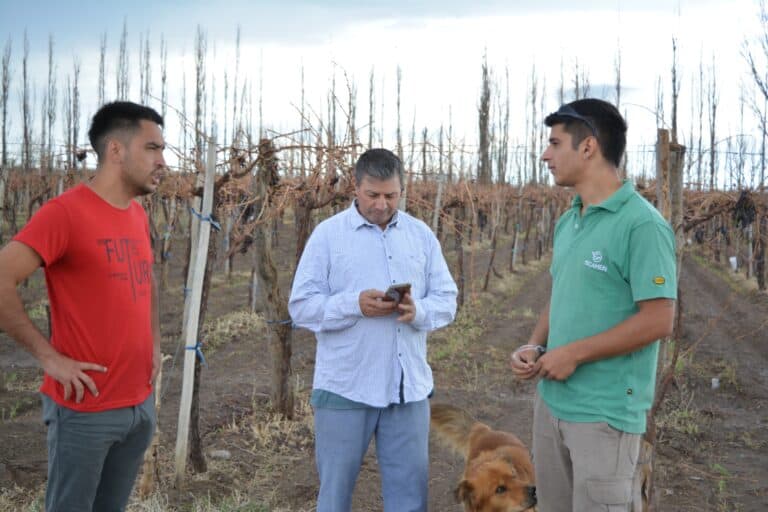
x,y
98,270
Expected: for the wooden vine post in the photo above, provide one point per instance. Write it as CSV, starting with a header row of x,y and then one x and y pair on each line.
x,y
669,194
192,310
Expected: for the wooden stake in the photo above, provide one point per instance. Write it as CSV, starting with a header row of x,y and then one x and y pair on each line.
x,y
192,314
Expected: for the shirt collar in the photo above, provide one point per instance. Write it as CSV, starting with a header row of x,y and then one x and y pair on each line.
x,y
356,220
614,202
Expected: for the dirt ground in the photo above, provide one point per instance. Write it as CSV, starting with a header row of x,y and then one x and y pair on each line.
x,y
713,443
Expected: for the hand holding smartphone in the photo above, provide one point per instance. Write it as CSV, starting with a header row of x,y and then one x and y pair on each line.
x,y
396,292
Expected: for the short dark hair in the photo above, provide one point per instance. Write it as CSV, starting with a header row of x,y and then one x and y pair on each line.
x,y
378,163
609,126
118,115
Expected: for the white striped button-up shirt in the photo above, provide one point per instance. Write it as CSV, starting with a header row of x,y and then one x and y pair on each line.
x,y
364,358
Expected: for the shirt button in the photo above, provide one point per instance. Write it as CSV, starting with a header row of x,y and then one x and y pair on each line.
x,y
390,257
399,355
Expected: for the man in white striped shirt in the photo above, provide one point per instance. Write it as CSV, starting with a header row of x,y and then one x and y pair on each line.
x,y
371,371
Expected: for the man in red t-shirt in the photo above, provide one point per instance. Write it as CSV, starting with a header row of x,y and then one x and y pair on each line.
x,y
104,350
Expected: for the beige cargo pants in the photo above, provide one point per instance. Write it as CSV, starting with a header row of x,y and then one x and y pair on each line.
x,y
582,467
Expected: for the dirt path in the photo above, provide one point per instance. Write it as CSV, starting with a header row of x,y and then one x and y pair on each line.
x,y
714,442
488,390
713,451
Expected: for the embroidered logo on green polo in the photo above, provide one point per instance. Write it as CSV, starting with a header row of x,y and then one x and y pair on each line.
x,y
659,280
597,258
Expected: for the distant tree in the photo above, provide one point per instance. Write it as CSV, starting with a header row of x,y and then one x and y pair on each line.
x,y
424,144
102,67
163,77
75,102
183,119
675,90
381,113
502,154
26,113
561,89
450,145
757,61
122,76
304,128
370,109
212,109
700,138
235,126
201,49
617,71
533,104
581,85
71,113
484,161
145,69
5,85
758,64
659,103
712,101
399,136
51,101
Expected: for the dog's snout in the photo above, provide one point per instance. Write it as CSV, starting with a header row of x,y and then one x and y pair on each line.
x,y
531,490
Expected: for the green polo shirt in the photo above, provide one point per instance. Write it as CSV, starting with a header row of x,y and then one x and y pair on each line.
x,y
616,254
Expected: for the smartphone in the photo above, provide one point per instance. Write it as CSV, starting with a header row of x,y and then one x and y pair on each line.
x,y
397,291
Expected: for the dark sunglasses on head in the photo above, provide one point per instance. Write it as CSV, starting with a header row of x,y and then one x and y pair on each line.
x,y
569,112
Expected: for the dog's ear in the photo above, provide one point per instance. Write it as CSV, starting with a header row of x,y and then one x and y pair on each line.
x,y
465,494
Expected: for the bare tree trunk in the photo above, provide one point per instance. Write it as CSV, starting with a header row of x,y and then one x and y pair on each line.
x,y
761,236
712,100
122,80
280,331
484,162
5,84
370,111
459,217
102,67
200,96
26,114
51,105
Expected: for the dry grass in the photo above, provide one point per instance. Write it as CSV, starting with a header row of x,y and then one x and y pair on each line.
x,y
241,323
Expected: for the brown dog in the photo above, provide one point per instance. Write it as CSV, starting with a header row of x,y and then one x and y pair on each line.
x,y
498,475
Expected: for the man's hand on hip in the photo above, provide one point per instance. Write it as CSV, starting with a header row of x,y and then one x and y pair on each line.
x,y
71,374
373,303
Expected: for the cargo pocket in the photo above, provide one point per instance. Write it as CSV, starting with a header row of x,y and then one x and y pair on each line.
x,y
614,493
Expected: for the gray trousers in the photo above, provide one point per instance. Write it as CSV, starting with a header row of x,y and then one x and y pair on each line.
x,y
94,457
582,467
342,437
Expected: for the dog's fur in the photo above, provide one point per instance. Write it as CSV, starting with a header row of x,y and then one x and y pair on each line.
x,y
498,475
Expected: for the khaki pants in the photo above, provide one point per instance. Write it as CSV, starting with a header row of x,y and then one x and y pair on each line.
x,y
582,467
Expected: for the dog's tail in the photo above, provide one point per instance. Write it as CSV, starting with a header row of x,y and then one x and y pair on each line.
x,y
452,425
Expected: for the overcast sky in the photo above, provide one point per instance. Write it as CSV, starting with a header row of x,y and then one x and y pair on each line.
x,y
439,45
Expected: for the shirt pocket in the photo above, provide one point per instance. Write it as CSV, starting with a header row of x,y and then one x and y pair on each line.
x,y
342,274
416,268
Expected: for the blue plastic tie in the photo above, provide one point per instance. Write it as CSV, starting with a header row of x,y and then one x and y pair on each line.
x,y
206,218
199,350
282,322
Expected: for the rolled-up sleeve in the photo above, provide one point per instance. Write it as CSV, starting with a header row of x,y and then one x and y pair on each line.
x,y
311,304
438,307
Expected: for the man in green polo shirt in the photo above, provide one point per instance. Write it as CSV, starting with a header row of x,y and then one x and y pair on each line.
x,y
595,344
